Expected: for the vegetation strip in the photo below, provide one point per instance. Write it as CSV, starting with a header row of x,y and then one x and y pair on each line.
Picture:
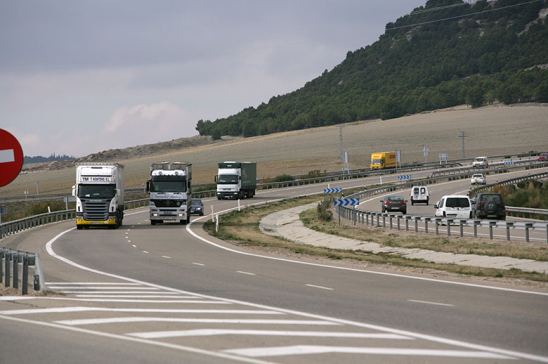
x,y
242,228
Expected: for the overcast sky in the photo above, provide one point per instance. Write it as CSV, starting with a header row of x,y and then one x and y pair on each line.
x,y
77,77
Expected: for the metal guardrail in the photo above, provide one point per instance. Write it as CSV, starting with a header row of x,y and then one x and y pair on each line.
x,y
527,211
11,274
367,217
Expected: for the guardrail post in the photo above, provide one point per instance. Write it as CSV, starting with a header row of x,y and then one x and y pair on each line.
x,y
391,216
15,270
367,218
476,223
528,225
7,269
398,218
449,221
377,219
508,226
383,220
547,233
417,218
25,277
491,225
407,218
426,220
461,226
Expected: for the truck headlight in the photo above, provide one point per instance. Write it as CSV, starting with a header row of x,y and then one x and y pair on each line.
x,y
154,214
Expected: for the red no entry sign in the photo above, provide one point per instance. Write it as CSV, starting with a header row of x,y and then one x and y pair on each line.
x,y
11,157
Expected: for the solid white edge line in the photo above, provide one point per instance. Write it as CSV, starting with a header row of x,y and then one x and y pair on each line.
x,y
126,319
432,338
397,275
189,349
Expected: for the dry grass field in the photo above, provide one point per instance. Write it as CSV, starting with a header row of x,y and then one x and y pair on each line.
x,y
490,130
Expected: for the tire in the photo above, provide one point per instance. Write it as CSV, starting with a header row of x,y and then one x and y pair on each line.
x,y
412,202
153,222
427,201
79,227
404,212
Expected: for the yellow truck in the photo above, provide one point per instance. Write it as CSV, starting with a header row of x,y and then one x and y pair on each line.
x,y
382,160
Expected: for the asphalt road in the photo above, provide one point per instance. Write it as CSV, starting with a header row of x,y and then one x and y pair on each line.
x,y
162,275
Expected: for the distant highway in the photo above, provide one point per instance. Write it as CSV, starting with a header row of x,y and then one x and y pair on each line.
x,y
166,293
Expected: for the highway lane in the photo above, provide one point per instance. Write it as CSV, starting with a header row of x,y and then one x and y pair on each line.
x,y
168,256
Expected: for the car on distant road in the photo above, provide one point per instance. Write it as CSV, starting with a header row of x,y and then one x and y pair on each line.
x,y
489,205
196,207
394,203
478,179
480,162
419,194
454,206
543,157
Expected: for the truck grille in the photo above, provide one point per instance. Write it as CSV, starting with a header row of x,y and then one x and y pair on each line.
x,y
97,211
167,203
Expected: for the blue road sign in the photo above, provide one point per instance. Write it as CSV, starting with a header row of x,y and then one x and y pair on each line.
x,y
346,202
404,177
332,190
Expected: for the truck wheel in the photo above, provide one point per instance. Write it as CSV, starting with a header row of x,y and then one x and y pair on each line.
x,y
152,222
79,227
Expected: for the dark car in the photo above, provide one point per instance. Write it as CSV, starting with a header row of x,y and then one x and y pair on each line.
x,y
394,203
543,157
196,207
489,205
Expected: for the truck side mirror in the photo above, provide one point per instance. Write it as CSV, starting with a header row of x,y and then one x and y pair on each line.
x,y
74,191
147,186
216,179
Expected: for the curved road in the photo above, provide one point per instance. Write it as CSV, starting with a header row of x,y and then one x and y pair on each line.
x,y
162,292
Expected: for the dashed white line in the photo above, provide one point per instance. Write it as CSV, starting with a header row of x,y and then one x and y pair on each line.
x,y
144,251
133,245
432,303
200,264
246,273
320,287
166,256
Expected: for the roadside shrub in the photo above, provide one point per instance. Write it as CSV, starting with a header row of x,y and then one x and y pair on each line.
x,y
283,178
324,213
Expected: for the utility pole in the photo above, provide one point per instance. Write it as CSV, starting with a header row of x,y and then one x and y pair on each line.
x,y
343,153
462,136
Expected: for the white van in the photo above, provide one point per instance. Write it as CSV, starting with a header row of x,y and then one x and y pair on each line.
x,y
454,206
480,162
419,194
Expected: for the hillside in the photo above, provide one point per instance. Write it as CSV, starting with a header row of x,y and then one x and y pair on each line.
x,y
444,54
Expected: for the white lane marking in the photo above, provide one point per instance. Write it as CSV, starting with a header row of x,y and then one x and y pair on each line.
x,y
141,300
432,303
32,311
246,273
114,320
220,355
93,283
432,338
133,245
396,275
129,241
166,256
166,295
317,349
285,333
136,291
90,288
200,264
16,298
7,156
144,251
320,287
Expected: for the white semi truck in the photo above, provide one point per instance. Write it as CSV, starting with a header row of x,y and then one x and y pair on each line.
x,y
170,192
99,194
236,179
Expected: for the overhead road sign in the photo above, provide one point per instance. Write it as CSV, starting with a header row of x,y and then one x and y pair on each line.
x,y
347,202
11,157
332,190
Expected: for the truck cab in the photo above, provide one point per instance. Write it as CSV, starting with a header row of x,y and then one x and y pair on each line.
x,y
236,180
383,160
169,191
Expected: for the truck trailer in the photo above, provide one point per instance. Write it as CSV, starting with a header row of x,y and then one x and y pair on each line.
x,y
170,192
382,160
236,180
99,194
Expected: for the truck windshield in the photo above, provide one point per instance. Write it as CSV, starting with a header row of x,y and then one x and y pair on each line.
x,y
227,179
96,191
168,184
377,161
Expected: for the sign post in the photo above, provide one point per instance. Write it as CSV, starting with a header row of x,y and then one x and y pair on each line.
x,y
11,157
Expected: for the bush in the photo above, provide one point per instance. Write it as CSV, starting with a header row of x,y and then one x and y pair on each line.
x,y
283,178
324,213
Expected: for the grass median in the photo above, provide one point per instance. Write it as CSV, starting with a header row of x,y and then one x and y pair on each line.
x,y
242,228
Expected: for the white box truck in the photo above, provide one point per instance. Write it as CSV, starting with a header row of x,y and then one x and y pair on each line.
x,y
170,192
99,194
236,179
